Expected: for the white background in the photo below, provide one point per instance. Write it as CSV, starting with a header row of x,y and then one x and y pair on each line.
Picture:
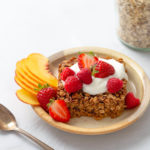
x,y
47,26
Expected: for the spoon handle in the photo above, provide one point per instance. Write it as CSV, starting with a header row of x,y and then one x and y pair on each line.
x,y
43,145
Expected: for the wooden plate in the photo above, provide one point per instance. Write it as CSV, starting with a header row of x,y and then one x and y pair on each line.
x,y
138,83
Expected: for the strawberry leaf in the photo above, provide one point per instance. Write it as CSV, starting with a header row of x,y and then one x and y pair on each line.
x,y
40,87
48,105
88,53
91,53
51,101
94,71
80,52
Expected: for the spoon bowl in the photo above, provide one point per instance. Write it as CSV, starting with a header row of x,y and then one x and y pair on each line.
x,y
7,119
8,123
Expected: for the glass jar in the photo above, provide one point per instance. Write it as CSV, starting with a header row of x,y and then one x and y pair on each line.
x,y
134,23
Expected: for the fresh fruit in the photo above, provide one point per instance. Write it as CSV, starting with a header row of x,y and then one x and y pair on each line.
x,y
26,97
32,71
131,101
58,111
22,69
33,54
25,86
72,84
103,69
44,96
86,61
28,82
26,78
114,85
66,73
38,66
85,75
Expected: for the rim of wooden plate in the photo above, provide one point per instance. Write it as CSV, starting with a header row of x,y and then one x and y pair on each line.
x,y
102,130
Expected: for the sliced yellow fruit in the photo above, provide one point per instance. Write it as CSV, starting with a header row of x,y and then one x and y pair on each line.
x,y
26,79
38,66
25,86
31,86
26,97
22,69
34,54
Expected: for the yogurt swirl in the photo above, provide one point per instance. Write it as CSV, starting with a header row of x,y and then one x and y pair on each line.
x,y
98,85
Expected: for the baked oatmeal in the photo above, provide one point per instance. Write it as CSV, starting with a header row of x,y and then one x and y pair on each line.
x,y
81,103
87,86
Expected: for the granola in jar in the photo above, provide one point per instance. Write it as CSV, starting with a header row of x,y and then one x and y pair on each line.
x,y
134,23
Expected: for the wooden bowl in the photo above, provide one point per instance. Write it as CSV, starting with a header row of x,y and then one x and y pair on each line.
x,y
138,83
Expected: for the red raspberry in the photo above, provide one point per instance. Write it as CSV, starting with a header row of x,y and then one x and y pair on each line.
x,y
103,70
131,101
85,75
72,84
114,85
66,73
44,95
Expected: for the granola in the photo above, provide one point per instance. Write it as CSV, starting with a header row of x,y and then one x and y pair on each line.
x,y
134,20
96,106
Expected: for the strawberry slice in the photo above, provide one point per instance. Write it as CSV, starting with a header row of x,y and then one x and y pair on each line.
x,y
59,111
103,69
86,61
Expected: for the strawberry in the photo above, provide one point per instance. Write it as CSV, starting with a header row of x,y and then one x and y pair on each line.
x,y
85,75
58,111
131,101
72,84
86,61
66,72
103,69
44,95
114,85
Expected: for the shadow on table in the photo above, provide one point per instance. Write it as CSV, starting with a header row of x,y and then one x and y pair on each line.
x,y
123,139
21,139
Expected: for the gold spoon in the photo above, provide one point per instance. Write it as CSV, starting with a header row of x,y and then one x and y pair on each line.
x,y
8,123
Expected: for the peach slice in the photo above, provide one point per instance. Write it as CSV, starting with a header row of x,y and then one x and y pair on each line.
x,y
25,86
29,84
37,64
26,97
22,69
26,79
33,54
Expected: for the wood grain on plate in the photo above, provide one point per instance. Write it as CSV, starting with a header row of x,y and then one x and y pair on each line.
x,y
138,83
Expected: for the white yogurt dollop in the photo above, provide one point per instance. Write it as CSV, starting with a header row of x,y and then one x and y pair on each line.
x,y
98,85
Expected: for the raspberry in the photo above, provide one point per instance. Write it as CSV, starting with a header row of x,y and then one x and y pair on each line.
x,y
85,75
72,84
103,70
114,85
131,101
44,95
66,73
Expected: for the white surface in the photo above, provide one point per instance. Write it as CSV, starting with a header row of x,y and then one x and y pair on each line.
x,y
46,26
